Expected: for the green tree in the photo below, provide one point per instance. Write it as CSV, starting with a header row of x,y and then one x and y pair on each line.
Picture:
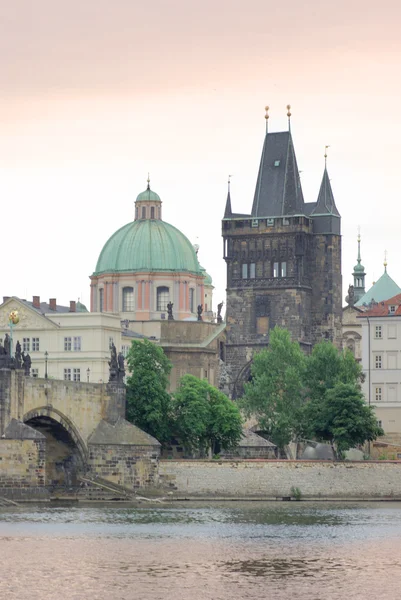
x,y
148,402
276,390
327,366
342,417
203,417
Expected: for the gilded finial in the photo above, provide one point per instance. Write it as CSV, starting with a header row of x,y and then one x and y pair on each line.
x,y
289,116
385,260
325,155
359,233
267,117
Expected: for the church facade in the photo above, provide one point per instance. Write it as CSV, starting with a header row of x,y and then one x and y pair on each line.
x,y
283,262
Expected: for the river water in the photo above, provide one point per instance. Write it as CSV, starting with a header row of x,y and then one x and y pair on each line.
x,y
230,551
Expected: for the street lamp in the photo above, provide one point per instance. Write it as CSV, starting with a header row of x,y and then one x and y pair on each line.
x,y
87,374
46,357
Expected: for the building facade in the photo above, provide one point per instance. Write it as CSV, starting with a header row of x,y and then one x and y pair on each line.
x,y
381,361
283,262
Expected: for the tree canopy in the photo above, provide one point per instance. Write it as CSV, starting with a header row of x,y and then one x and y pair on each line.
x,y
316,397
276,390
148,402
203,417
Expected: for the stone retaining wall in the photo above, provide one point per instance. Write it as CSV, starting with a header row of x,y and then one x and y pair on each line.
x,y
22,463
275,478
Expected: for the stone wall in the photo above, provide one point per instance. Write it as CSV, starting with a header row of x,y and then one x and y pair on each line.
x,y
274,479
22,464
132,467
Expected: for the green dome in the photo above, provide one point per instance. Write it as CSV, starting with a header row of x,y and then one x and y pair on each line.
x,y
148,246
208,279
148,196
359,268
81,307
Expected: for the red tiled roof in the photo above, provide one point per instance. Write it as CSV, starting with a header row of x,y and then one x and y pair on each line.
x,y
382,308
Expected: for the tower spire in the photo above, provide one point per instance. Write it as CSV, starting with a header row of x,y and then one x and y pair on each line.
x,y
228,210
267,118
359,272
148,180
325,156
289,116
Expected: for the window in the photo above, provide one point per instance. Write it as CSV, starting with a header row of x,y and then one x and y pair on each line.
x,y
279,269
191,300
152,212
76,374
111,342
378,394
378,361
245,271
379,423
392,309
67,344
25,344
252,271
67,374
378,332
283,269
163,294
124,351
128,299
35,344
77,344
275,269
35,372
143,212
101,299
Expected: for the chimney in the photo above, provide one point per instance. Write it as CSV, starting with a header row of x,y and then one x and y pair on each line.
x,y
36,301
5,298
73,306
53,304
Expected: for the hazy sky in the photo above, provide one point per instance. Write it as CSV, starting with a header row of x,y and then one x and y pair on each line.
x,y
94,94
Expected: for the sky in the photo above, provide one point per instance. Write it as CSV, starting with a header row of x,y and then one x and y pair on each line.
x,y
96,94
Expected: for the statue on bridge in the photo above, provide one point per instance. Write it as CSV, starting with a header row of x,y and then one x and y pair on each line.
x,y
170,311
26,364
116,366
18,356
7,344
200,311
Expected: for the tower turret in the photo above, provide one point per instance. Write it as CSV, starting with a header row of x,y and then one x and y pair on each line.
x,y
359,275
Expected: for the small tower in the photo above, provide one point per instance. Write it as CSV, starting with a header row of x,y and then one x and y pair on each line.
x,y
359,275
148,205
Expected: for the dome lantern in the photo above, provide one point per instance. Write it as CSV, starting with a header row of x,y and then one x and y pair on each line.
x,y
148,205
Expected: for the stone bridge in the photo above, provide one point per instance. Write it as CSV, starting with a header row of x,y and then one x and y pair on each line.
x,y
70,428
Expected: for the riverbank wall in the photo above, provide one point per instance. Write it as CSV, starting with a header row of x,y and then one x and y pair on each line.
x,y
277,479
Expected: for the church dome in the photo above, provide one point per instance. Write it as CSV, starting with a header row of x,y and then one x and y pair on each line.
x,y
148,246
148,196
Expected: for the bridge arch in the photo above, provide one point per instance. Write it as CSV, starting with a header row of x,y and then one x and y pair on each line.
x,y
65,422
66,451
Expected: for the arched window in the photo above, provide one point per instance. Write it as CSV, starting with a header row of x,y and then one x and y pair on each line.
x,y
143,212
128,299
163,295
152,212
101,299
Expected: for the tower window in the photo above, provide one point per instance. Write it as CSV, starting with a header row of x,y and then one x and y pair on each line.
x,y
244,271
152,212
283,269
143,212
252,271
128,299
279,269
163,294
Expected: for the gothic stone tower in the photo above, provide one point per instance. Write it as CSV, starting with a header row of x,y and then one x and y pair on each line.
x,y
283,262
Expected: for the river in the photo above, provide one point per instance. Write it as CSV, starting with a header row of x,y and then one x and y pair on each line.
x,y
224,551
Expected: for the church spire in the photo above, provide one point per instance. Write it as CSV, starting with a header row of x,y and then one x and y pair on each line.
x,y
359,274
228,211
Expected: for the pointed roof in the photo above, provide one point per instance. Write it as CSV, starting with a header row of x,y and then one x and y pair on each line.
x,y
325,204
359,269
384,288
228,210
278,187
